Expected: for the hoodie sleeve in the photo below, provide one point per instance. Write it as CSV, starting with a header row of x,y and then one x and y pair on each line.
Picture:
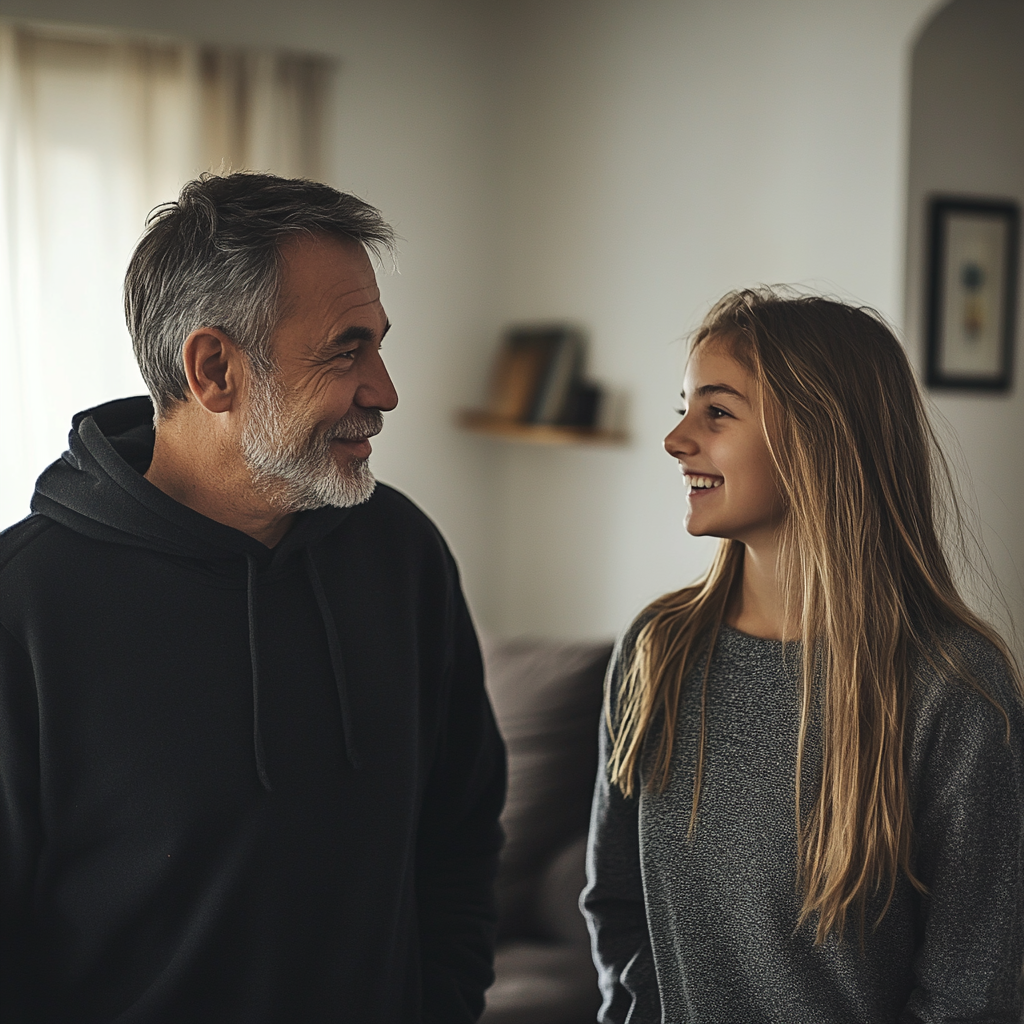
x,y
20,830
460,839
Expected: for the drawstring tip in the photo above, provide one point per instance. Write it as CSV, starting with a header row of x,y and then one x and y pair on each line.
x,y
334,649
254,661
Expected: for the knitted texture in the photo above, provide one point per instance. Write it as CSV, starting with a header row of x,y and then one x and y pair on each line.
x,y
704,928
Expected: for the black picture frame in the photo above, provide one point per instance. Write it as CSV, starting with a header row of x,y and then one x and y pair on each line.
x,y
972,293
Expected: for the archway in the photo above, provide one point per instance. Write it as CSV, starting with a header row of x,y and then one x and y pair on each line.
x,y
966,139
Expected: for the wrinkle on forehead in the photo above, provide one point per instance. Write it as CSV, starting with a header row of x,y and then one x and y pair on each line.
x,y
303,287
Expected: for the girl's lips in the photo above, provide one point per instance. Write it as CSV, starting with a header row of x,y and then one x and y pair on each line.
x,y
701,492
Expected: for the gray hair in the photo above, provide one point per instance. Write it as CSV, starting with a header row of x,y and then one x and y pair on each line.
x,y
213,259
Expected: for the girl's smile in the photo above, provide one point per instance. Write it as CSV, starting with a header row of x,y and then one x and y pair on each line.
x,y
700,483
722,451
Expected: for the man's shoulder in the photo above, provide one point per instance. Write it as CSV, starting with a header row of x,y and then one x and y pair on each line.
x,y
392,499
391,546
23,538
30,562
391,511
391,530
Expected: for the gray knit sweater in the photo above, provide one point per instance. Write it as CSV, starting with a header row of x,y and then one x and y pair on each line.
x,y
704,929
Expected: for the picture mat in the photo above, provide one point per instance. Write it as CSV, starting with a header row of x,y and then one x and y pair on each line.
x,y
974,296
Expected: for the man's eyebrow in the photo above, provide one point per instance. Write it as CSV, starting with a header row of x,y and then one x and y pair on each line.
x,y
357,333
717,389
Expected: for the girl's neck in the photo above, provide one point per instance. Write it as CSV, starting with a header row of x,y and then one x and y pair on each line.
x,y
758,604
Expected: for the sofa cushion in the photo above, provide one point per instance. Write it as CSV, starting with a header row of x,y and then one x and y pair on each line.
x,y
542,984
558,897
547,699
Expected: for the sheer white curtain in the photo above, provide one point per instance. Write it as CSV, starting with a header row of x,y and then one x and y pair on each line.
x,y
95,130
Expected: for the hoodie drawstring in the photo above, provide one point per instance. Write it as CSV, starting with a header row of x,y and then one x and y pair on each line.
x,y
334,646
337,665
254,658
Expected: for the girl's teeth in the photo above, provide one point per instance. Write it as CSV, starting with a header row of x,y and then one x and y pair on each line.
x,y
703,482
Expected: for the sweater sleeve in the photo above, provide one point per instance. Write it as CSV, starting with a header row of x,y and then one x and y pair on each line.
x,y
969,822
460,839
20,829
613,900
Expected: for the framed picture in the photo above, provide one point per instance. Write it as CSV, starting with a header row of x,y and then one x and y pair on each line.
x,y
972,293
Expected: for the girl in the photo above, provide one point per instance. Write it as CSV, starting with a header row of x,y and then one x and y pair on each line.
x,y
810,805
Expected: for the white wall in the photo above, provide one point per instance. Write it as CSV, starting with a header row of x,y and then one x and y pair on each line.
x,y
621,165
658,154
967,138
414,135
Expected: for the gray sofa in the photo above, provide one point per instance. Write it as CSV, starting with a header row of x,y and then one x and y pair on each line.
x,y
547,698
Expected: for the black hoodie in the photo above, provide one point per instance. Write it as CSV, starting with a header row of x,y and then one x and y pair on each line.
x,y
236,783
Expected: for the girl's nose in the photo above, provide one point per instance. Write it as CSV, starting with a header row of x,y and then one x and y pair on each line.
x,y
679,443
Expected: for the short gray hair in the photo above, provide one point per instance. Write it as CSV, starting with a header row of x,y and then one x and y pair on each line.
x,y
213,259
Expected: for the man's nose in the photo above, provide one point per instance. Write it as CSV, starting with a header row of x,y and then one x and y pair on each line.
x,y
376,390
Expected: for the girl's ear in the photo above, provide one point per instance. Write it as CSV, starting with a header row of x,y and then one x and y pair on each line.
x,y
214,366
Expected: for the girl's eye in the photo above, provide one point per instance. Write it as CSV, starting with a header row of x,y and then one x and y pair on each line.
x,y
680,412
716,413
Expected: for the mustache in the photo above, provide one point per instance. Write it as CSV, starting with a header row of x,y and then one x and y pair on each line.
x,y
357,424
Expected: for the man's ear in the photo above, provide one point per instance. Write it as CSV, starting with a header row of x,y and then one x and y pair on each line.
x,y
215,368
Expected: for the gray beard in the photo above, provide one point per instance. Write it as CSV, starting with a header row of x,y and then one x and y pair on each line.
x,y
292,464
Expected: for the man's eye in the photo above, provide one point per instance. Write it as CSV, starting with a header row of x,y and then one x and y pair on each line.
x,y
348,354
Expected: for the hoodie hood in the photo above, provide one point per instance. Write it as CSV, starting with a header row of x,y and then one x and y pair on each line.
x,y
97,489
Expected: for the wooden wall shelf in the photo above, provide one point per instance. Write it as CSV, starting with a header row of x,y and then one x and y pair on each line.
x,y
536,433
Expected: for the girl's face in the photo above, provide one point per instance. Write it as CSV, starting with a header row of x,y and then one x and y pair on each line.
x,y
722,452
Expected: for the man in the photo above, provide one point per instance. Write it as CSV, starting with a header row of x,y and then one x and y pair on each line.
x,y
248,771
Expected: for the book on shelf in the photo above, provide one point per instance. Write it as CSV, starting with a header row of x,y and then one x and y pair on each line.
x,y
538,377
582,405
519,369
564,369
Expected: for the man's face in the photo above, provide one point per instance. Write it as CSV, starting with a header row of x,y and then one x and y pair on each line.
x,y
308,423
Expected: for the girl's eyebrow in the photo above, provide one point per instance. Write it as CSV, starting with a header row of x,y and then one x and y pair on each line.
x,y
717,389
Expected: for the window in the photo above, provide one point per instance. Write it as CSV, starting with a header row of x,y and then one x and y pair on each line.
x,y
96,129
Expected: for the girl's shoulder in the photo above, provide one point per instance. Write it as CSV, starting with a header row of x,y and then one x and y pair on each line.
x,y
964,694
622,657
625,643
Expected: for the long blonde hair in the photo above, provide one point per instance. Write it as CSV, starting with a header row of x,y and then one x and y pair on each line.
x,y
864,571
